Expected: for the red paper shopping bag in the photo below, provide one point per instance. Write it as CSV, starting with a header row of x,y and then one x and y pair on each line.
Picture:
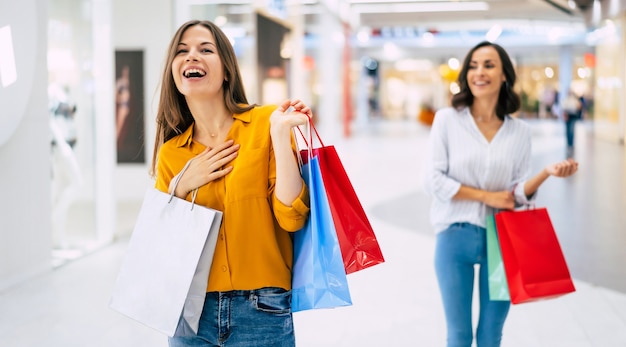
x,y
358,243
533,261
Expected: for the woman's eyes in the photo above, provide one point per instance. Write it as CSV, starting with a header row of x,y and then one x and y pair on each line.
x,y
486,66
202,50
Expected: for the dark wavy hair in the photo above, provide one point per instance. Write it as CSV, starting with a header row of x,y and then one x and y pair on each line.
x,y
173,115
508,100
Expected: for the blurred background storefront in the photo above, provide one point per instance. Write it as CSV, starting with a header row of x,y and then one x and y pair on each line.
x,y
80,88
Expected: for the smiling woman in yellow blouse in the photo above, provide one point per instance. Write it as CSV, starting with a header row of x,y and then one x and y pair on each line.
x,y
243,163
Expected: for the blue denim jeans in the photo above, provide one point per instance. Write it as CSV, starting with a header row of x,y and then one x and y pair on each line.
x,y
458,249
250,318
570,129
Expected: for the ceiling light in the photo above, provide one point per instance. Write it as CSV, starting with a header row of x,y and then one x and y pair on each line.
x,y
454,63
398,7
363,35
493,33
376,1
220,21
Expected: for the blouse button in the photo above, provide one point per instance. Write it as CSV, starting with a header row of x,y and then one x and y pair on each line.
x,y
224,268
221,236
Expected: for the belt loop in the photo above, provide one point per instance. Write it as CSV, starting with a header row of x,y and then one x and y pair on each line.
x,y
252,295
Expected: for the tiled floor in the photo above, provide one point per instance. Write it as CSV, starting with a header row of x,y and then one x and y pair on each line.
x,y
395,303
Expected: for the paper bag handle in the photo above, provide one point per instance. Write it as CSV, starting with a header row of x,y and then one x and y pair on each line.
x,y
311,126
194,192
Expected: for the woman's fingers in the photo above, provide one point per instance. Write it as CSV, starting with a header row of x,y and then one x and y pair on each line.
x,y
211,164
219,173
563,168
224,157
500,199
284,106
300,106
220,156
222,146
282,121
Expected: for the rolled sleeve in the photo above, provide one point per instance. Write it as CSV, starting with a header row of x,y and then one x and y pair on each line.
x,y
292,218
520,196
446,189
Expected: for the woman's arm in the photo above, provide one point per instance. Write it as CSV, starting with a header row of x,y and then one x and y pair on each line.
x,y
288,179
499,200
563,168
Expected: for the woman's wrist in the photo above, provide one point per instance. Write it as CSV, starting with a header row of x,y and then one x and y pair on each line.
x,y
181,191
280,132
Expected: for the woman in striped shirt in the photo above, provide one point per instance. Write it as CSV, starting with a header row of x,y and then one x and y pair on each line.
x,y
479,162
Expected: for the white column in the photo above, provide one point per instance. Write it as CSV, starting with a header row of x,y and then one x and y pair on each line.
x,y
182,12
566,61
297,80
25,226
104,121
329,68
621,132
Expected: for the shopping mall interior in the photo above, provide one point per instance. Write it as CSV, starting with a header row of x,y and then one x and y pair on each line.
x,y
79,88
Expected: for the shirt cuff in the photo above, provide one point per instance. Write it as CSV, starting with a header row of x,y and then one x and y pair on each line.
x,y
520,197
292,218
448,190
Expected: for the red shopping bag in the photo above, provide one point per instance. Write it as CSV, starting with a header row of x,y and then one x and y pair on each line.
x,y
533,261
357,241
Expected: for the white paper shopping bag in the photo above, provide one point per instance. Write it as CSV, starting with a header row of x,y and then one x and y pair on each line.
x,y
165,271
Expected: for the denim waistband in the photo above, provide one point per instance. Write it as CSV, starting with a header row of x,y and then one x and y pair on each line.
x,y
260,291
465,225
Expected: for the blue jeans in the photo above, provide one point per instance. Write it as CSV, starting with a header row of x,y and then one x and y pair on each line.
x,y
570,129
250,318
458,249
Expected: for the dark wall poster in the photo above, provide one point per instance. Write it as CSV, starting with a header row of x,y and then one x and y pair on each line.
x,y
129,107
272,68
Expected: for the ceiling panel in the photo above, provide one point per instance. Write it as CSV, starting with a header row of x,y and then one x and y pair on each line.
x,y
406,13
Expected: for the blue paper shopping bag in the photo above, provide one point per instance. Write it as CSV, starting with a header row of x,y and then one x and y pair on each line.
x,y
319,276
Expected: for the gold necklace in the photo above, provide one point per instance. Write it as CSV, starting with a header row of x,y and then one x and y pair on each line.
x,y
219,129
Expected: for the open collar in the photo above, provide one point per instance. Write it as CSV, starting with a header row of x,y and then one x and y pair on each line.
x,y
186,137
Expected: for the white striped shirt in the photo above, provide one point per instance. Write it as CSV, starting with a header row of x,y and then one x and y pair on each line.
x,y
459,154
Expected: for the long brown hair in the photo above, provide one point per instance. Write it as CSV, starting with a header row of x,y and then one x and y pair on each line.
x,y
508,100
173,115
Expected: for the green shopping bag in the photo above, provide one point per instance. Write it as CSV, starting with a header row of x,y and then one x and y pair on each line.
x,y
498,287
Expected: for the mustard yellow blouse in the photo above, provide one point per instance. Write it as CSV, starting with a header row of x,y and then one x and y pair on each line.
x,y
254,249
